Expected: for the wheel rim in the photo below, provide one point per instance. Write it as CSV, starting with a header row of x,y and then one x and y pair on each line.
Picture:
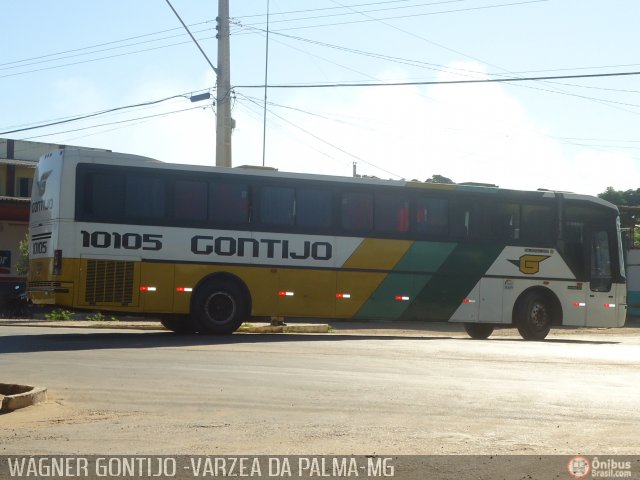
x,y
539,316
220,307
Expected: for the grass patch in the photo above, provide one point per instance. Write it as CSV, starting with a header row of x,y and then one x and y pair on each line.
x,y
59,314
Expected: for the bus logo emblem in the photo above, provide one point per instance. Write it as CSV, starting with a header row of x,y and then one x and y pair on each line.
x,y
529,264
41,183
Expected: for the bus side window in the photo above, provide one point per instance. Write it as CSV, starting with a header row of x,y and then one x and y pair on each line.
x,y
574,248
504,220
601,275
277,205
432,217
539,224
461,219
391,213
229,203
103,196
357,212
314,208
145,197
190,200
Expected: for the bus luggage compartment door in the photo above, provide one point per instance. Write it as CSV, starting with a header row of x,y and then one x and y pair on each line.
x,y
109,283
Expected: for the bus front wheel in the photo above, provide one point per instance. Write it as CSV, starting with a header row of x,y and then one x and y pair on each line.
x,y
478,331
534,316
219,307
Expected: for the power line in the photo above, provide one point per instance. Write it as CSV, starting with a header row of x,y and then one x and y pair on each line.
x,y
336,8
484,7
113,123
367,11
441,82
101,58
94,114
444,68
326,142
41,60
192,37
101,44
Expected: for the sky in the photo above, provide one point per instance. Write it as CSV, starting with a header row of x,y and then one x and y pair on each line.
x,y
69,58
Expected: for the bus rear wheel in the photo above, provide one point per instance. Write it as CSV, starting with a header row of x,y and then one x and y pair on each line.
x,y
219,307
478,331
534,316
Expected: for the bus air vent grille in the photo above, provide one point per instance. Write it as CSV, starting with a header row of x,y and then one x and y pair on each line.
x,y
109,282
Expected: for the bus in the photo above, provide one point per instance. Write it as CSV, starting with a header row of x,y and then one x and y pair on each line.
x,y
207,248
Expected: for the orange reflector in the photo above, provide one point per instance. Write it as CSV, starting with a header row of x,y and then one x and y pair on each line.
x,y
145,288
184,289
285,294
343,295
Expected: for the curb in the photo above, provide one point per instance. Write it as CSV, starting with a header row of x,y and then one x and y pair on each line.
x,y
320,328
264,328
19,396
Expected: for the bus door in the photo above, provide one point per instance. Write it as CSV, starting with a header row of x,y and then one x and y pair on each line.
x,y
601,297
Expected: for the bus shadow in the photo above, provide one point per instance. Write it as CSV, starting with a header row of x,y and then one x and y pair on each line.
x,y
567,341
53,342
50,342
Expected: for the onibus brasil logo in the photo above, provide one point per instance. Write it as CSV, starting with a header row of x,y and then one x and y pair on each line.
x,y
579,467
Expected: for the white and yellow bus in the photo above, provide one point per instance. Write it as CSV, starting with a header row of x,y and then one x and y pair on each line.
x,y
206,248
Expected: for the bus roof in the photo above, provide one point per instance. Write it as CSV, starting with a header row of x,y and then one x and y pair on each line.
x,y
124,159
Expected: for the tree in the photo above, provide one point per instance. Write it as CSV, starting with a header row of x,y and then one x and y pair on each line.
x,y
22,266
439,179
629,198
617,197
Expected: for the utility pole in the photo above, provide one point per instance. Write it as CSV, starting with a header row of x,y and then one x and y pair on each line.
x,y
224,123
266,79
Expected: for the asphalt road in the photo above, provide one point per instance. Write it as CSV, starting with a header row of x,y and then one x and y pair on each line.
x,y
364,392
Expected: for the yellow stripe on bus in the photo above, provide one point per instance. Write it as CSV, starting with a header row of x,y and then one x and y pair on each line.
x,y
377,254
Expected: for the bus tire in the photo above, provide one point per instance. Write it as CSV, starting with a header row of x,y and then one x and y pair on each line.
x,y
179,324
219,307
534,316
478,331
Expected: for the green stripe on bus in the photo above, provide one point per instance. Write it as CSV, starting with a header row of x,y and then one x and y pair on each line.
x,y
422,257
393,296
425,257
445,291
